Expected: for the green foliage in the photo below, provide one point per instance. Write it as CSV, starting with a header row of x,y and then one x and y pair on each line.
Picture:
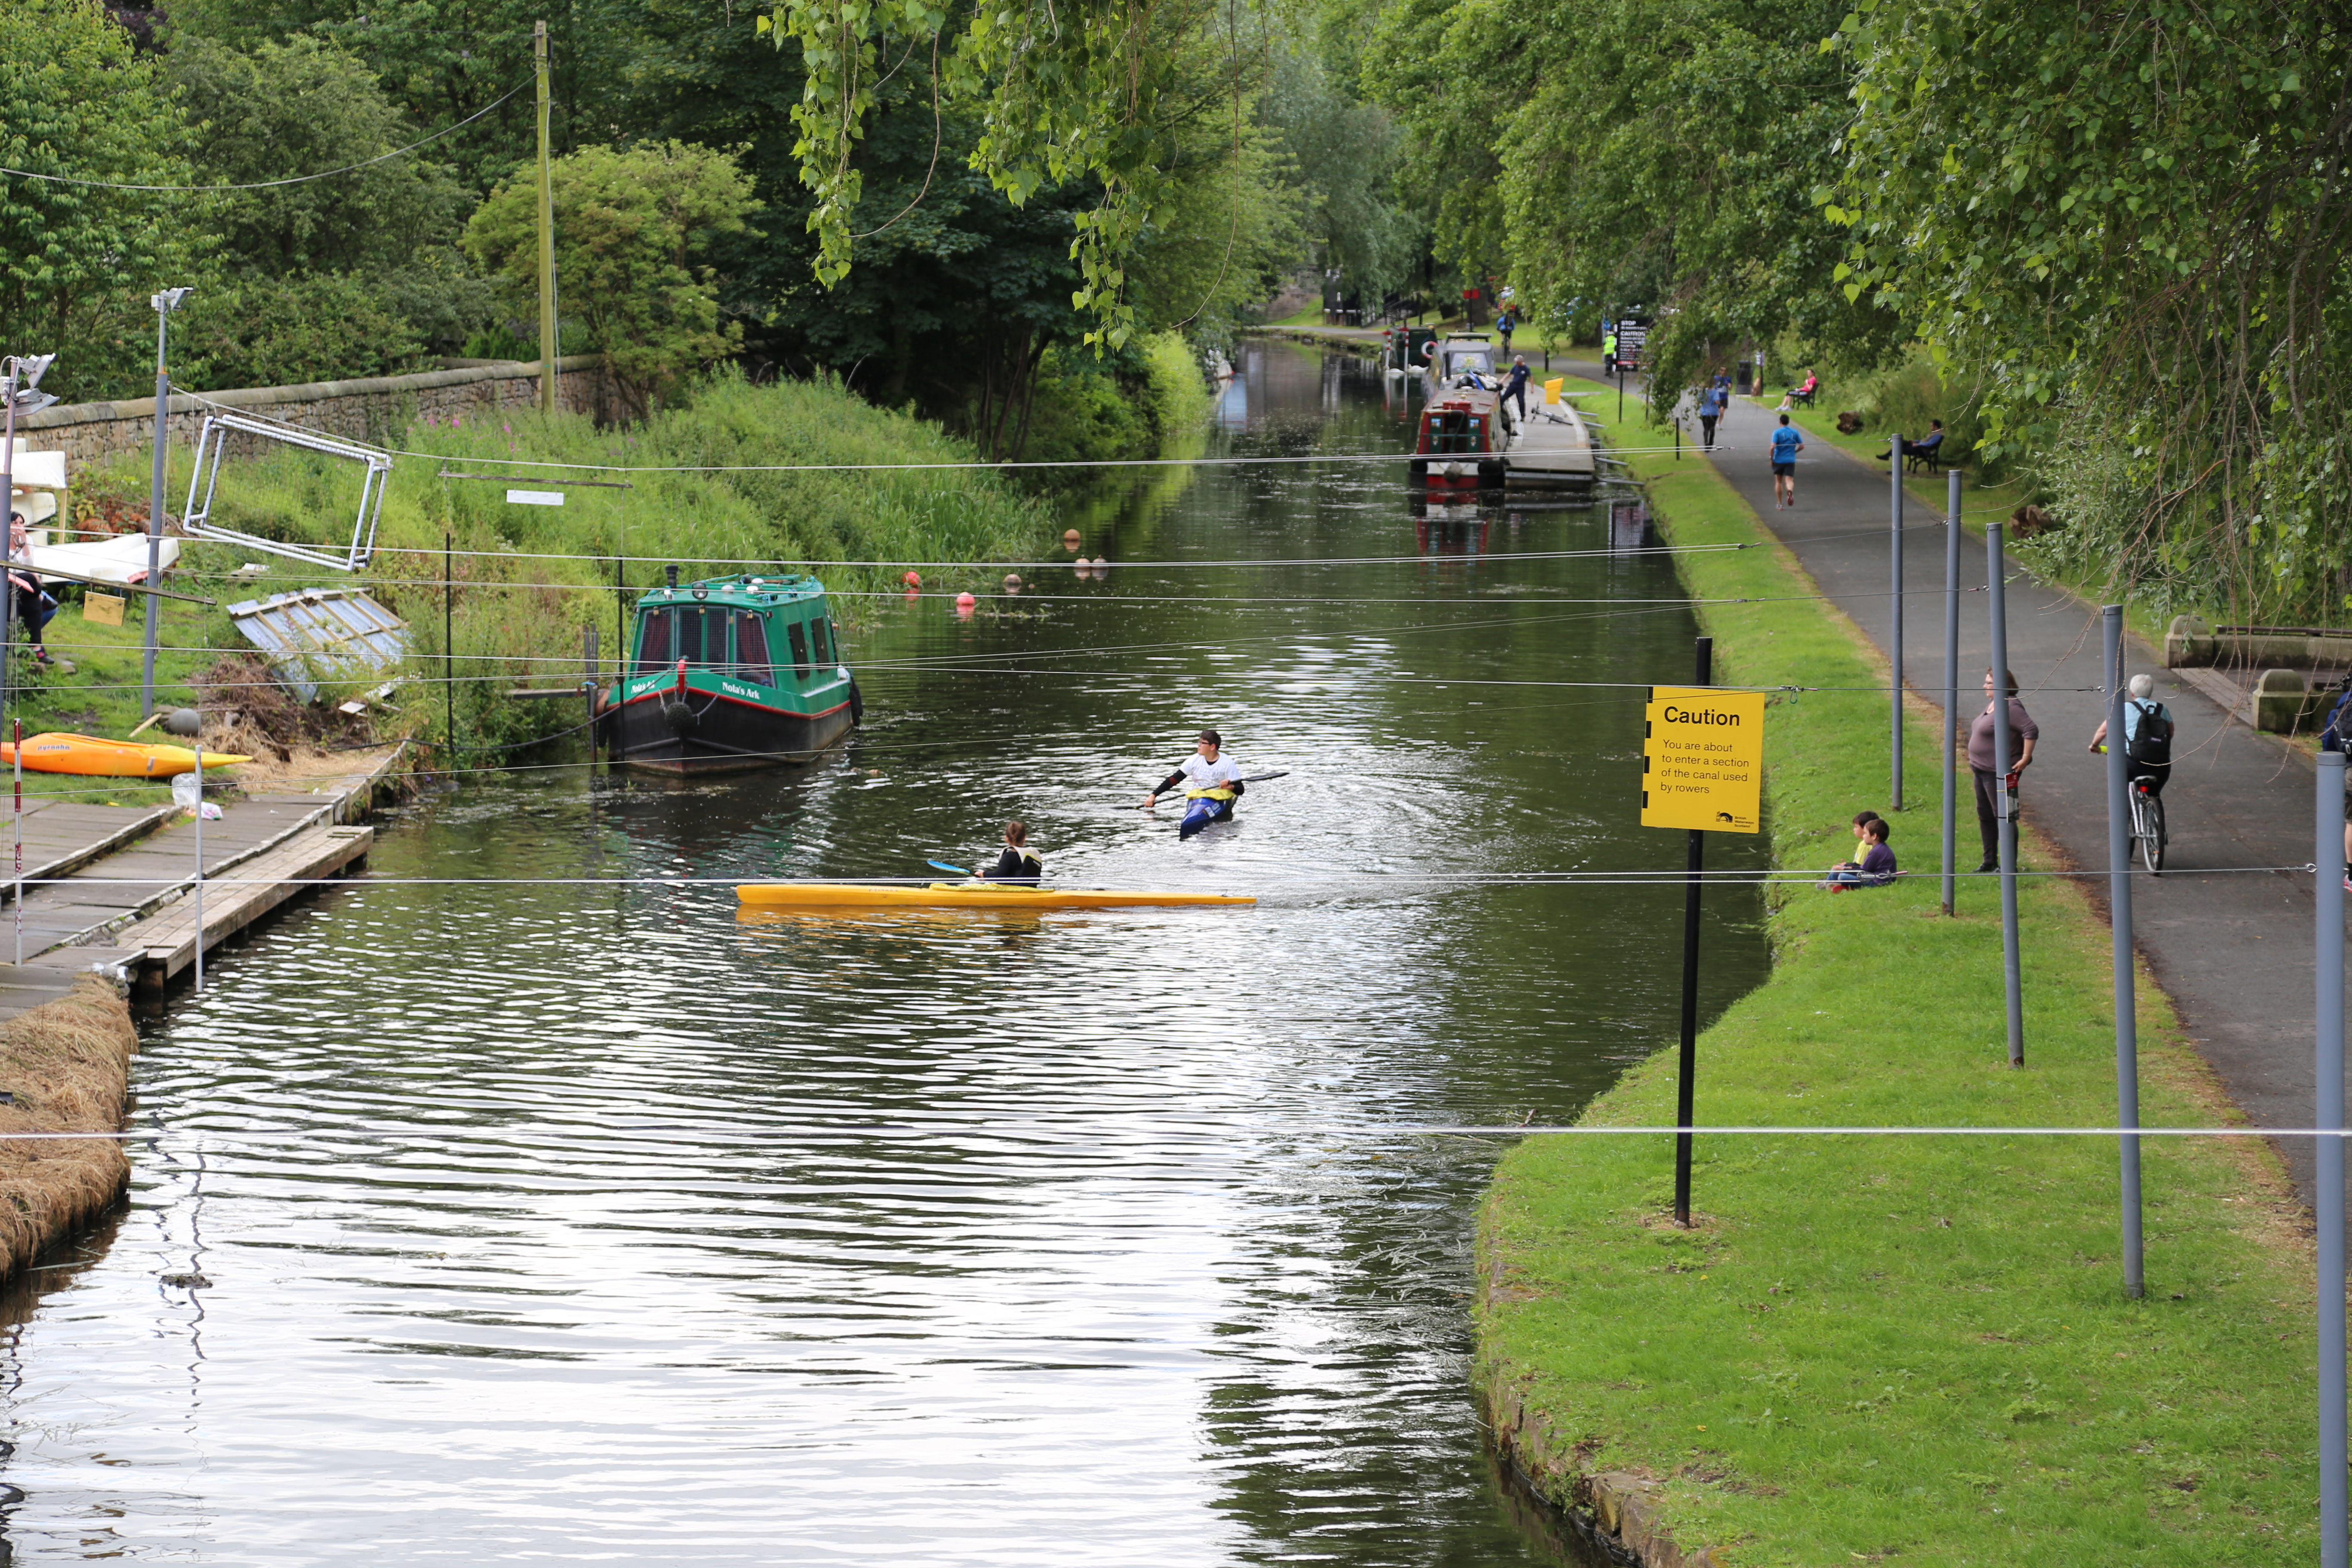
x,y
299,106
256,330
1653,153
1089,96
78,262
632,227
520,616
1910,1349
1133,404
1348,160
1348,156
1175,393
2153,249
441,63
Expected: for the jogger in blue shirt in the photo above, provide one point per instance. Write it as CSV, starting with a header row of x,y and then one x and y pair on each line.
x,y
1787,442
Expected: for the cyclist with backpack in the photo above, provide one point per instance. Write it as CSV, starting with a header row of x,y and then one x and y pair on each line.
x,y
2147,766
2147,735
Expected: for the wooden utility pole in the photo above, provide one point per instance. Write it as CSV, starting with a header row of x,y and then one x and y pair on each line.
x,y
547,345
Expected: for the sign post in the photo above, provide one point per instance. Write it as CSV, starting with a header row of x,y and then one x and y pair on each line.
x,y
1703,770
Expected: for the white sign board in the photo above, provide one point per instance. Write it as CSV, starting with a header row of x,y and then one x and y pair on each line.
x,y
534,498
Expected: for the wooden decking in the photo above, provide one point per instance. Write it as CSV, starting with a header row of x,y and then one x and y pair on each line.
x,y
110,887
259,881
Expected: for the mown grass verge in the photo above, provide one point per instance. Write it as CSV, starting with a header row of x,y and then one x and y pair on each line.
x,y
1909,1349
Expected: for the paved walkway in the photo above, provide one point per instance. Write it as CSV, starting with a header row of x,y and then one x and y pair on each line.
x,y
2233,950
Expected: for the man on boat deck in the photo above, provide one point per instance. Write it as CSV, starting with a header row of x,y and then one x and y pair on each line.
x,y
1018,863
1213,783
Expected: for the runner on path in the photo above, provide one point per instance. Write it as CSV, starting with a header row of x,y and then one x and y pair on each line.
x,y
1787,442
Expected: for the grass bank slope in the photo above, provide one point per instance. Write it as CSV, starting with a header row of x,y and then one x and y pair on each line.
x,y
1907,1349
68,1065
531,579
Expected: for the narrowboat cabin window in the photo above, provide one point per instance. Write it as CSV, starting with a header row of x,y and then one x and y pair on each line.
x,y
816,635
800,648
751,648
653,642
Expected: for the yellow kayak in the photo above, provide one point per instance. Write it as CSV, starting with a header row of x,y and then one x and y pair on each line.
x,y
966,895
98,758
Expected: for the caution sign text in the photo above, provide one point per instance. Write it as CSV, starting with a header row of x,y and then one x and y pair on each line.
x,y
1703,759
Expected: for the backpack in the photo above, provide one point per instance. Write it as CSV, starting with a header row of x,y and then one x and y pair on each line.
x,y
2151,741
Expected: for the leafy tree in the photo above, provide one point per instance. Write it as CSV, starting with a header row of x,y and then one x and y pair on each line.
x,y
2130,221
299,107
355,275
958,295
1656,152
1071,94
442,61
254,329
79,261
631,230
1347,155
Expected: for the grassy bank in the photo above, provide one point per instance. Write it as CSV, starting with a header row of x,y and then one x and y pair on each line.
x,y
67,1063
1907,1349
531,579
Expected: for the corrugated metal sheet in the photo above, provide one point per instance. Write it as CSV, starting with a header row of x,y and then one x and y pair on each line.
x,y
323,634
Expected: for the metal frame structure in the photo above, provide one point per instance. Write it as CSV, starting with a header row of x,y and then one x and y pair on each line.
x,y
213,442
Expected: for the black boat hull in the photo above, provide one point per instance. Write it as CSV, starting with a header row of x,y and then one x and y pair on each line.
x,y
724,735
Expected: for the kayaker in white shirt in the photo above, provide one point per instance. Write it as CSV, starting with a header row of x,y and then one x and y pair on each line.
x,y
1212,781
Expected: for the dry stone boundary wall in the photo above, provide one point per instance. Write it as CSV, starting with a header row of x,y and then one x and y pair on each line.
x,y
375,410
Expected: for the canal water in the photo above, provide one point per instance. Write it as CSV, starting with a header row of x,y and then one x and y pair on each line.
x,y
681,1236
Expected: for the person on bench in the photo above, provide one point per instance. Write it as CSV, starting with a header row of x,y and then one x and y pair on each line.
x,y
1805,394
1926,448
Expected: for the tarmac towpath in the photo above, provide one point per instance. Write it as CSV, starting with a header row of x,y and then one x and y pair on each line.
x,y
2233,948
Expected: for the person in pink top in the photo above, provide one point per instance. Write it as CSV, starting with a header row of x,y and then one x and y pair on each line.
x,y
2022,733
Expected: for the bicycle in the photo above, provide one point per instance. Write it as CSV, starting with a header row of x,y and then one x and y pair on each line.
x,y
2147,822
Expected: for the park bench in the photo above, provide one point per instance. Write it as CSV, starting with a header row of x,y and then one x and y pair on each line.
x,y
1935,458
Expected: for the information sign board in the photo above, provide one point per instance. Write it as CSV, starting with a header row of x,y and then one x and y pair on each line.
x,y
1703,759
1633,334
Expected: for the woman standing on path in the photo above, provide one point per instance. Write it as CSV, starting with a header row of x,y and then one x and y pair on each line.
x,y
1787,442
2022,733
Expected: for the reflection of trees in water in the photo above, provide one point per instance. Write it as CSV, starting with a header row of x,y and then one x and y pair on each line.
x,y
1350,1436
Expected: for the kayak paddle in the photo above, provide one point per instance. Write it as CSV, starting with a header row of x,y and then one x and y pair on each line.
x,y
1253,778
943,866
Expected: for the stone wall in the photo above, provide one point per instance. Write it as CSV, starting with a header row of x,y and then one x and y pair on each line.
x,y
375,410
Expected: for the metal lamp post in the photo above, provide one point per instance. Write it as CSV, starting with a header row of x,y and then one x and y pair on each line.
x,y
169,300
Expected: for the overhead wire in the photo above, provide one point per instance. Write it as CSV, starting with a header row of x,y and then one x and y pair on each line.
x,y
1191,1127
273,185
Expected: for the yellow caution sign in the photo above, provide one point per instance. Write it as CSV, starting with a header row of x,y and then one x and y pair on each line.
x,y
1703,759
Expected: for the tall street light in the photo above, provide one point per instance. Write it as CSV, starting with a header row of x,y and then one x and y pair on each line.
x,y
20,377
164,303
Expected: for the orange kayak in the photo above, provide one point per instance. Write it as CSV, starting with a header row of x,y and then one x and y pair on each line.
x,y
100,758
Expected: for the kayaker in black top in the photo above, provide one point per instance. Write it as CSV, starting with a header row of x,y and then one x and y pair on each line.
x,y
1018,863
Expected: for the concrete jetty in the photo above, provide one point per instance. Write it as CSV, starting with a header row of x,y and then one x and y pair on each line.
x,y
1552,446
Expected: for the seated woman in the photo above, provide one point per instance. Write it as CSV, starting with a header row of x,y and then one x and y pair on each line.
x,y
1018,864
1804,394
1877,868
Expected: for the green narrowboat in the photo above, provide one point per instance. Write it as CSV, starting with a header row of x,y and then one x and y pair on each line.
x,y
727,674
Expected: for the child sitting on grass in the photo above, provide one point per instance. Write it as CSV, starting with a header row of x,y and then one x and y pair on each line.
x,y
1861,819
1877,868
